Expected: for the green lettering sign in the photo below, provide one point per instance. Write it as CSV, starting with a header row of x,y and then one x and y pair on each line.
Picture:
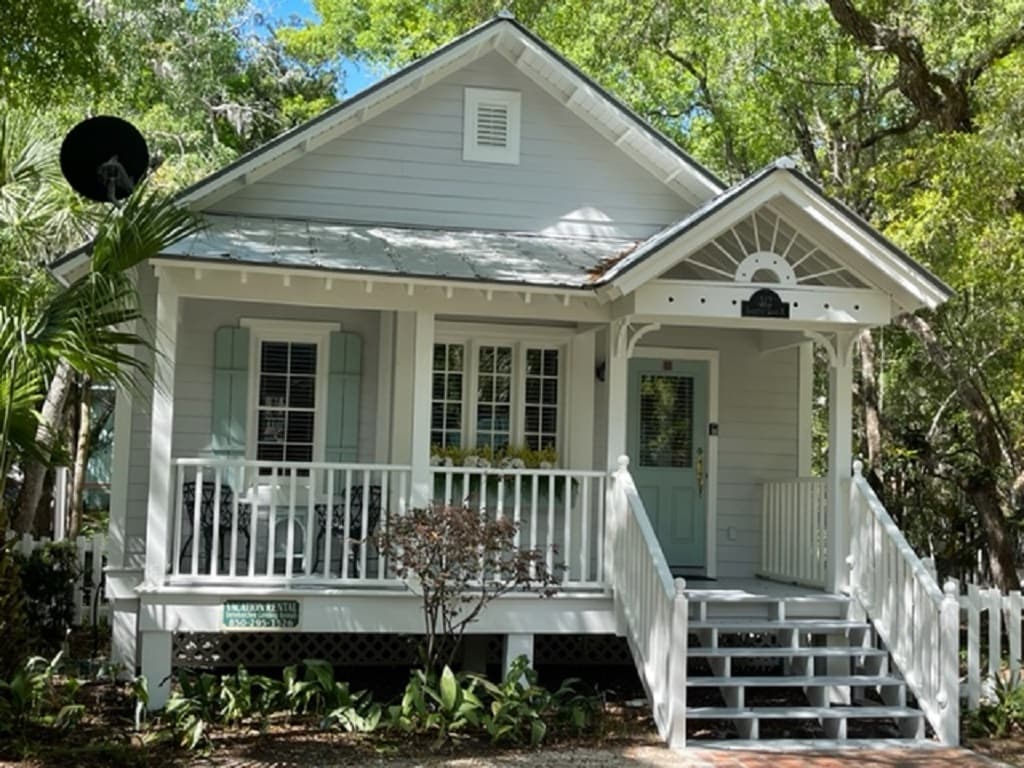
x,y
261,614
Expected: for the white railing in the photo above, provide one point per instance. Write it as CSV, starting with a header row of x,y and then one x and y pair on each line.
x,y
651,606
793,535
560,512
269,522
90,553
918,622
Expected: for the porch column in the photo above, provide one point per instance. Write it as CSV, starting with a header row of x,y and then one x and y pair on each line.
x,y
616,362
419,446
840,458
161,486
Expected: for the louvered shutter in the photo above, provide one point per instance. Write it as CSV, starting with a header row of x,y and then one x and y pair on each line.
x,y
492,124
230,390
343,382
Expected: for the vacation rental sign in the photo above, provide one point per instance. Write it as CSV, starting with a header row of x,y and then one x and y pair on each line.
x,y
261,614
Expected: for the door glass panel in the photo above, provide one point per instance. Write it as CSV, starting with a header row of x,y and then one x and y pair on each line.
x,y
666,421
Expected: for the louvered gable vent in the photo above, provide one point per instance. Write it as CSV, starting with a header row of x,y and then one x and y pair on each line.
x,y
491,126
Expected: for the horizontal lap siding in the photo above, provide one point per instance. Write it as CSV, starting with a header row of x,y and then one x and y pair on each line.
x,y
137,497
405,167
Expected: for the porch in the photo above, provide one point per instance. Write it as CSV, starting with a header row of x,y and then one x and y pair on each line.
x,y
314,525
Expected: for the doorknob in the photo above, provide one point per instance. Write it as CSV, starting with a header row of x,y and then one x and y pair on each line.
x,y
700,472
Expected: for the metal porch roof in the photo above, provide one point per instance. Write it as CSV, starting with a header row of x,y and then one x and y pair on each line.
x,y
493,257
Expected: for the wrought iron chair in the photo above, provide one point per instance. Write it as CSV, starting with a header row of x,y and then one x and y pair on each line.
x,y
206,508
356,534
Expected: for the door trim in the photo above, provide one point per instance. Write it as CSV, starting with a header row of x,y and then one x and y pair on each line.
x,y
710,356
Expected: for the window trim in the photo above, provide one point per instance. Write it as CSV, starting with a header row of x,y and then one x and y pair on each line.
x,y
289,331
520,338
473,152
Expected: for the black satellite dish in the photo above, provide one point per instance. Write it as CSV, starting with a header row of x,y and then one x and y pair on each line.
x,y
103,158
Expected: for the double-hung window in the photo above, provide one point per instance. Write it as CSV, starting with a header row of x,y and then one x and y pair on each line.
x,y
497,393
288,385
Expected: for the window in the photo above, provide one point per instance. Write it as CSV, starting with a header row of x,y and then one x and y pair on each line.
x,y
491,126
288,397
286,405
495,394
446,405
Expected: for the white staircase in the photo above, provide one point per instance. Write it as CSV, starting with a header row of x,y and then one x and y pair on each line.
x,y
766,665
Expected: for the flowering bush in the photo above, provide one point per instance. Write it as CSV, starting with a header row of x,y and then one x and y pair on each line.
x,y
512,457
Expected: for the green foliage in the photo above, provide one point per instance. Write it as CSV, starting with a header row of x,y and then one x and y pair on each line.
x,y
520,711
244,696
443,703
39,693
48,580
1002,714
193,708
511,457
319,693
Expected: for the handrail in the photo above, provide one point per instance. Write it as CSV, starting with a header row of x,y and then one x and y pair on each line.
x,y
651,606
918,622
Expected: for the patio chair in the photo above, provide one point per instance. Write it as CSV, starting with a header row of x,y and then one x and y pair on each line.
x,y
206,508
356,534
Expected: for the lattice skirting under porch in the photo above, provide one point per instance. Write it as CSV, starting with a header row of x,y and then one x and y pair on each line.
x,y
265,649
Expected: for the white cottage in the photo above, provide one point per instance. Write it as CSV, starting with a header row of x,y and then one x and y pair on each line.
x,y
488,251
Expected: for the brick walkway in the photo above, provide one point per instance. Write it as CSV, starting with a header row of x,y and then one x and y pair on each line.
x,y
639,757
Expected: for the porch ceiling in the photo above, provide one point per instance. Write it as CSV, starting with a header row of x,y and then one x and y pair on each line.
x,y
492,257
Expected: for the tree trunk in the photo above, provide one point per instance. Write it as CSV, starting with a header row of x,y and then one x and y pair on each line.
x,y
872,412
982,490
81,458
46,434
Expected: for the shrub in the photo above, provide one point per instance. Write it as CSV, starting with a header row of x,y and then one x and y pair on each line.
x,y
459,560
48,578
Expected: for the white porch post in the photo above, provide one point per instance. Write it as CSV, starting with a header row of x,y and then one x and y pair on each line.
x,y
840,458
616,362
419,447
161,487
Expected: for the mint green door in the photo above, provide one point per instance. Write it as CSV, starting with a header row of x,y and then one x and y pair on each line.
x,y
667,442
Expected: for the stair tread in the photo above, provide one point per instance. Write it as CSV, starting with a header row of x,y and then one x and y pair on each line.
x,y
774,651
789,746
746,713
771,625
793,680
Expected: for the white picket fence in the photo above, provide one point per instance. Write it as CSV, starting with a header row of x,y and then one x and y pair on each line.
x,y
1005,615
91,559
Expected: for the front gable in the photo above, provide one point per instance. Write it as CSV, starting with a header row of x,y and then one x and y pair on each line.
x,y
774,236
407,167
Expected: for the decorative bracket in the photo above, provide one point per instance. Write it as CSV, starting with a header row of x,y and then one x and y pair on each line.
x,y
628,335
839,346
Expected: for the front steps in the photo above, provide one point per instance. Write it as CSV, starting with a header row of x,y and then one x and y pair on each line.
x,y
764,664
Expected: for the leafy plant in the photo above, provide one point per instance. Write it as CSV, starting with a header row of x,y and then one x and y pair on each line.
x,y
193,707
48,577
37,692
243,696
1001,714
519,710
459,560
443,702
320,693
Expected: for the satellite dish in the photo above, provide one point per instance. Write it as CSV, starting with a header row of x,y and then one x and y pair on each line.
x,y
103,158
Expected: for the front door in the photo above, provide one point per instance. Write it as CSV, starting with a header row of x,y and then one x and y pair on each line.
x,y
667,445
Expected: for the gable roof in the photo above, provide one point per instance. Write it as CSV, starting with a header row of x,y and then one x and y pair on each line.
x,y
533,57
893,269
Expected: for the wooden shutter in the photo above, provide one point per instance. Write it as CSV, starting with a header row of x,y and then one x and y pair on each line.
x,y
230,390
346,360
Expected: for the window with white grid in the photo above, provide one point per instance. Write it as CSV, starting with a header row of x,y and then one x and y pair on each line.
x,y
446,396
494,397
286,401
540,422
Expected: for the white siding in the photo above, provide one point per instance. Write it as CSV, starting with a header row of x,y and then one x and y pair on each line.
x,y
405,167
193,389
758,433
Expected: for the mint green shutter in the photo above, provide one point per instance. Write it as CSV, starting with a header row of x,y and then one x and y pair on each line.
x,y
230,390
346,361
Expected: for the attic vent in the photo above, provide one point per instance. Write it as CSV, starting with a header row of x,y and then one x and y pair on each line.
x,y
491,126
